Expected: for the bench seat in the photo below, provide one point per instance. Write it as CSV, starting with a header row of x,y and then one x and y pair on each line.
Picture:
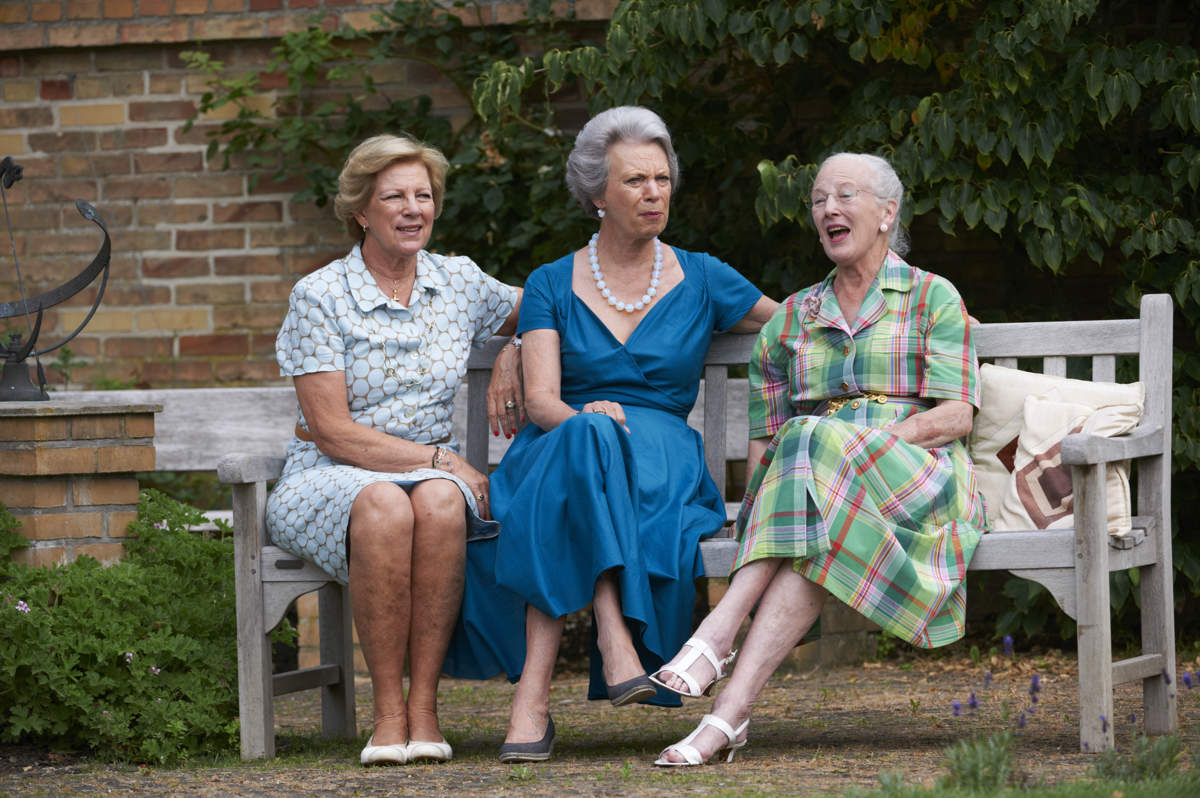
x,y
1073,564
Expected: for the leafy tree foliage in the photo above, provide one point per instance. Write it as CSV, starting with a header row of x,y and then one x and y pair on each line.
x,y
1065,134
505,183
1071,129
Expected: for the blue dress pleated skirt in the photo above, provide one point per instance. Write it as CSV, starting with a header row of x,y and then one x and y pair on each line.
x,y
588,496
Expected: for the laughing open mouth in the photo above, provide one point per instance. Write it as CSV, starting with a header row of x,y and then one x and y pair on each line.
x,y
837,232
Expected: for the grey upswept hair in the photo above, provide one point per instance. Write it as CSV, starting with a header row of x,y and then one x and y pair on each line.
x,y
885,184
587,165
372,156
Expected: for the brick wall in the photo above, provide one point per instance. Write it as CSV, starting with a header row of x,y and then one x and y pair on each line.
x,y
93,100
67,473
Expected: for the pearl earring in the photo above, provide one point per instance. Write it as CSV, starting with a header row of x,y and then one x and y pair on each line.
x,y
600,212
883,227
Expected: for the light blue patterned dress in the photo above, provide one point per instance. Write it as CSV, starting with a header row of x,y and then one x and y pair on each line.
x,y
403,365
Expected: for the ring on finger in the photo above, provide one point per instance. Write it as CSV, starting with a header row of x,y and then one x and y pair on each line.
x,y
600,410
510,404
480,496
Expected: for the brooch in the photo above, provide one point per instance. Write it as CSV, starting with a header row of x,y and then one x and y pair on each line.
x,y
811,305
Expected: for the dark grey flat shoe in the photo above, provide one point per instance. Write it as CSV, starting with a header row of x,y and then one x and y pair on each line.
x,y
639,688
530,752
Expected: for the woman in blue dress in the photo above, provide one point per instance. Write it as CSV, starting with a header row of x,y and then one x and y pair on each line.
x,y
604,498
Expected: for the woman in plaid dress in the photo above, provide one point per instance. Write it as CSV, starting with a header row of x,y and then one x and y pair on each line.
x,y
862,388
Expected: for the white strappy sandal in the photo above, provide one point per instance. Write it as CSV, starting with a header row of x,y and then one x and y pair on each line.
x,y
691,754
698,648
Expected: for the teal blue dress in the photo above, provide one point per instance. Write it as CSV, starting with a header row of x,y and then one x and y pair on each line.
x,y
587,496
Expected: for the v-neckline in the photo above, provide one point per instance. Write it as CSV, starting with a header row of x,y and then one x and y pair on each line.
x,y
641,322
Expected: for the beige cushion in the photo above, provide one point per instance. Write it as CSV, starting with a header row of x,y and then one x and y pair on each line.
x,y
1016,437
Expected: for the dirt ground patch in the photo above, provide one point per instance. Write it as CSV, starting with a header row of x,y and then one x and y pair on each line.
x,y
815,733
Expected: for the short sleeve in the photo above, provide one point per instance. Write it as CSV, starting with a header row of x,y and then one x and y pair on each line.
x,y
951,369
492,301
769,400
537,303
732,294
309,340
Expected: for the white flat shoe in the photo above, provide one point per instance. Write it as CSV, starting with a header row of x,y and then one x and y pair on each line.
x,y
419,750
691,755
697,648
384,754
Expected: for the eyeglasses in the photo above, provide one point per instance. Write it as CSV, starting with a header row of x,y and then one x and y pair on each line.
x,y
844,196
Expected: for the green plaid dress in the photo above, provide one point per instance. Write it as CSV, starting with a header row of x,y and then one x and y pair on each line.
x,y
883,525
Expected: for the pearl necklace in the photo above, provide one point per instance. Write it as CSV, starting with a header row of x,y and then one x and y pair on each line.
x,y
602,287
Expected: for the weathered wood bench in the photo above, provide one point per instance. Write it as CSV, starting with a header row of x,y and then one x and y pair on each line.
x,y
1073,564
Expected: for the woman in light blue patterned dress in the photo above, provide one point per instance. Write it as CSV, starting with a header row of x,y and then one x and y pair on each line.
x,y
374,491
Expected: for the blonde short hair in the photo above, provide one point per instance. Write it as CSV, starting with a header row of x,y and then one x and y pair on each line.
x,y
372,156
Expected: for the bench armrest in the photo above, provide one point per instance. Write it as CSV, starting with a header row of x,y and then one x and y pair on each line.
x,y
1084,449
234,469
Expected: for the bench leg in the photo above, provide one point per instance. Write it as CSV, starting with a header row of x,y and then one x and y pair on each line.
x,y
1158,636
1093,620
256,709
337,647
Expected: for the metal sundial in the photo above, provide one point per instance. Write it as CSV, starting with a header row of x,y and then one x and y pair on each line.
x,y
15,385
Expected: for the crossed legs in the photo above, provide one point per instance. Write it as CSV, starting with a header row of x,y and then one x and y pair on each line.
x,y
407,553
543,634
788,604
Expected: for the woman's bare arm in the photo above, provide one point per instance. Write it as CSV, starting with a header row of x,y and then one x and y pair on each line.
x,y
540,360
949,420
754,452
759,315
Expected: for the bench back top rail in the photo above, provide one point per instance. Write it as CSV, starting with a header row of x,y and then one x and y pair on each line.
x,y
199,426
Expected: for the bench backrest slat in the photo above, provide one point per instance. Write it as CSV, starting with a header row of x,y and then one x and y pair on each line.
x,y
199,426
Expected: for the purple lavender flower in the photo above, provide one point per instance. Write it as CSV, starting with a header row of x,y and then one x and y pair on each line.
x,y
973,702
1166,676
1035,685
1187,679
23,607
1021,721
1031,710
1008,645
956,707
987,679
1103,724
128,657
1133,717
155,670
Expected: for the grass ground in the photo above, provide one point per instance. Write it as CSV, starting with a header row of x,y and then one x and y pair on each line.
x,y
822,733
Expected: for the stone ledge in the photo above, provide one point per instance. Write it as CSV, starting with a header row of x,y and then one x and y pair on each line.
x,y
95,405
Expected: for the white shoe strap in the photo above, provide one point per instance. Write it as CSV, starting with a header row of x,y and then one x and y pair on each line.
x,y
696,648
720,725
689,752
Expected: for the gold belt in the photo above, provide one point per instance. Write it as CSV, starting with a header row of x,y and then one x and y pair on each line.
x,y
837,403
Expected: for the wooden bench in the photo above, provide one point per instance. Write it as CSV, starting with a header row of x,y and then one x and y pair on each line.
x,y
1073,564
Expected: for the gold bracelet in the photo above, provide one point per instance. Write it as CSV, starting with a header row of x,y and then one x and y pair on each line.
x,y
439,454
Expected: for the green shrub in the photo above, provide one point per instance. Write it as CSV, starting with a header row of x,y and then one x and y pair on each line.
x,y
10,539
980,765
1150,759
135,661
